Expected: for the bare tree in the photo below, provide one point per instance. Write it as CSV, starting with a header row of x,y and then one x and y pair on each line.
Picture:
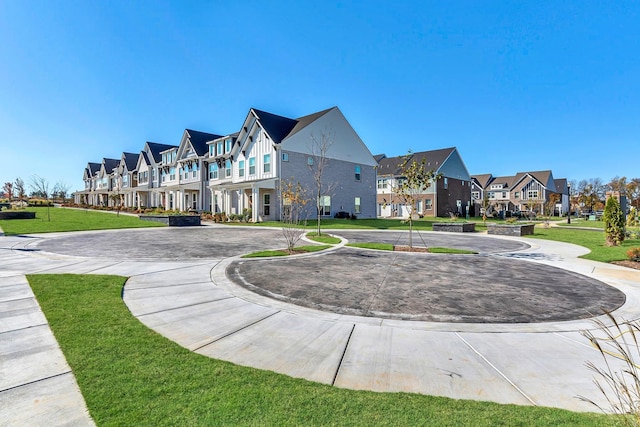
x,y
116,197
318,163
294,216
60,190
415,179
40,186
8,190
618,184
19,188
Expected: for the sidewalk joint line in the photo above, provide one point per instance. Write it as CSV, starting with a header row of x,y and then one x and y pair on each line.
x,y
497,370
36,381
236,331
344,352
184,306
39,325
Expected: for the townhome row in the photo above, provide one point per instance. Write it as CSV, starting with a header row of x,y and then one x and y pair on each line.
x,y
537,192
242,171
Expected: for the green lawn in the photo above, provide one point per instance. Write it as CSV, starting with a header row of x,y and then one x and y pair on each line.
x,y
129,375
284,252
592,239
323,238
71,220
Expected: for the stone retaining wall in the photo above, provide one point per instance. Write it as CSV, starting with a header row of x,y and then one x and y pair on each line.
x,y
17,215
455,227
173,220
510,229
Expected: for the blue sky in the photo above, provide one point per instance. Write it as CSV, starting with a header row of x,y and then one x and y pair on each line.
x,y
516,86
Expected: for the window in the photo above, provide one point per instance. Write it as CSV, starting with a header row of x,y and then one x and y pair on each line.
x,y
241,168
533,194
382,183
252,166
356,208
125,180
429,204
475,195
213,171
212,151
153,174
504,194
285,157
310,161
172,173
516,195
164,176
227,145
227,168
266,206
492,195
325,205
358,171
419,206
219,151
267,163
194,170
446,183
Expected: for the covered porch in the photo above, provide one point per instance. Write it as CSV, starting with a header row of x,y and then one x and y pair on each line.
x,y
260,197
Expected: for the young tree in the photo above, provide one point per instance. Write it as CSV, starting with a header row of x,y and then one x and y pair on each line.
x,y
613,222
415,179
294,199
60,190
633,189
40,186
19,188
318,163
8,190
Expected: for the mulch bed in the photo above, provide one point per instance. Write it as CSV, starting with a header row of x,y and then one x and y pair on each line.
x,y
629,264
408,249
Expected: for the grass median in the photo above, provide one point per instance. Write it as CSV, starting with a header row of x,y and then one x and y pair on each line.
x,y
129,375
61,219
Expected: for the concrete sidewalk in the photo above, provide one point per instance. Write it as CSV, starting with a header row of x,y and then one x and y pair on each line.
x,y
194,303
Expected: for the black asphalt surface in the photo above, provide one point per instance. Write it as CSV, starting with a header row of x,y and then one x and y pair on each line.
x,y
498,285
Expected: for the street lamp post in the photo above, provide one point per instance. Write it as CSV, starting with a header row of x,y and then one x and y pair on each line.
x,y
569,213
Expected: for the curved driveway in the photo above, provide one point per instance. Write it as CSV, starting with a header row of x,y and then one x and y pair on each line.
x,y
189,298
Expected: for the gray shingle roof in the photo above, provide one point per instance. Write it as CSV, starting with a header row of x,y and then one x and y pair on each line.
x,y
157,148
278,127
199,140
131,160
93,168
110,164
433,161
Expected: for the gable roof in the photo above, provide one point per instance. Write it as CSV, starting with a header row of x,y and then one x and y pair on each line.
x,y
199,140
277,127
483,179
305,121
130,160
110,164
93,168
157,148
433,161
561,185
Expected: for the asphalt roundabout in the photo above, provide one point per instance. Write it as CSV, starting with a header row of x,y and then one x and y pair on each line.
x,y
499,284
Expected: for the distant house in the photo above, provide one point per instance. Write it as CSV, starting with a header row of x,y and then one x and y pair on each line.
x,y
449,194
247,167
524,192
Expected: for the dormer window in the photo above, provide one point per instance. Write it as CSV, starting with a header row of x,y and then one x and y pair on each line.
x,y
219,147
227,145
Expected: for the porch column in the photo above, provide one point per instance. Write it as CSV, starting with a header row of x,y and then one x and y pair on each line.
x,y
255,209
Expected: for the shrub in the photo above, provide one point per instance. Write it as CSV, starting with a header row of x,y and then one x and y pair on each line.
x,y
614,222
634,254
632,218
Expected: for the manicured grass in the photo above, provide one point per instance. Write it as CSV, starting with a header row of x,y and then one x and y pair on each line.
x,y
437,250
284,252
389,247
372,245
323,238
129,375
591,239
71,220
